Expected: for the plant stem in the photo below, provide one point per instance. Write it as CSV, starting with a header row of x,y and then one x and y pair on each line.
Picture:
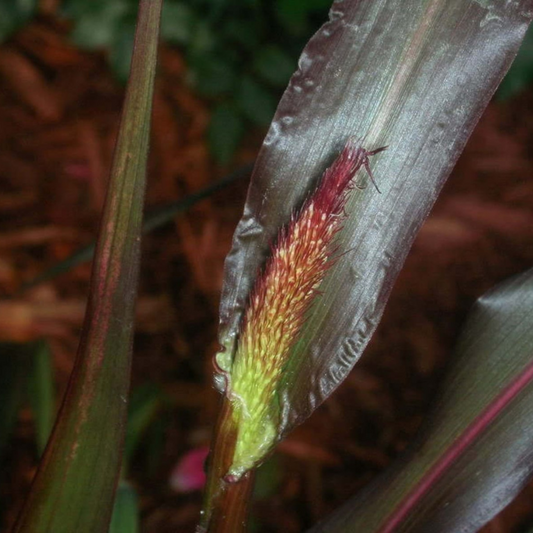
x,y
226,504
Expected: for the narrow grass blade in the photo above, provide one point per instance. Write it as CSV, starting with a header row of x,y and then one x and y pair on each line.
x,y
75,484
476,451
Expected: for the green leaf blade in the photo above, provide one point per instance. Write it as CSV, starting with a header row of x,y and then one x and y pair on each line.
x,y
74,487
145,403
41,393
126,511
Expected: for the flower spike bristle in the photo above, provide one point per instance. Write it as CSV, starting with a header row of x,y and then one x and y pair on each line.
x,y
282,294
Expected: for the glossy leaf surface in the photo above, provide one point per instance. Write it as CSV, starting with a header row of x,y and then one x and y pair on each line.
x,y
75,484
412,75
476,450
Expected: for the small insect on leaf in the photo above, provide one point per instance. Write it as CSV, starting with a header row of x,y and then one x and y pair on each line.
x,y
282,294
366,164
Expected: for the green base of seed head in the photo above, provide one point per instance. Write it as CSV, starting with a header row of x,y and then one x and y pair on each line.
x,y
255,420
255,440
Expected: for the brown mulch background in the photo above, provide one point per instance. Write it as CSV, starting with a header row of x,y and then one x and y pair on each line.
x,y
59,110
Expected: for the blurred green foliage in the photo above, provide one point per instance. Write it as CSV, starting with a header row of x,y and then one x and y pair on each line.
x,y
14,362
520,75
13,15
27,377
240,53
41,392
125,517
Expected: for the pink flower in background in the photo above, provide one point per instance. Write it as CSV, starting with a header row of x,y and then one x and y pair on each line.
x,y
189,475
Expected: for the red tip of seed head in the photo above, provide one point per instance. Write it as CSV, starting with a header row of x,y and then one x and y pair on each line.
x,y
337,180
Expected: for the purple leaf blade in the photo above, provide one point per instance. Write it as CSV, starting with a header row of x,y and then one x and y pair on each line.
x,y
75,484
475,451
415,76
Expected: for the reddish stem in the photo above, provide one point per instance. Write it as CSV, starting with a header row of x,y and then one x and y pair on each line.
x,y
226,503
